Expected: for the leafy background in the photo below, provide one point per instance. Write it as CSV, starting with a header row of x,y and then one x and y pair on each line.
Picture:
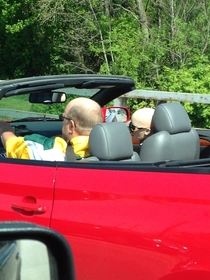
x,y
162,45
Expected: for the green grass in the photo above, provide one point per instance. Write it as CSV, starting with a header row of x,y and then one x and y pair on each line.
x,y
21,103
16,103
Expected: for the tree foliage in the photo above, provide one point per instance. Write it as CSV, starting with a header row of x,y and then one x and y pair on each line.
x,y
162,45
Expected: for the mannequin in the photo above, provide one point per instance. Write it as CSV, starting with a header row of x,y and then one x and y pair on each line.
x,y
141,125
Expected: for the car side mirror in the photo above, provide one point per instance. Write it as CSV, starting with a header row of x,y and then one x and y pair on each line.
x,y
116,114
47,97
29,251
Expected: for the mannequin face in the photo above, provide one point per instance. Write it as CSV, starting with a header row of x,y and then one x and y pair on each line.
x,y
138,135
140,125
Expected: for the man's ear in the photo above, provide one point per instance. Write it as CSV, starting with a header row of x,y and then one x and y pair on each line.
x,y
71,126
147,131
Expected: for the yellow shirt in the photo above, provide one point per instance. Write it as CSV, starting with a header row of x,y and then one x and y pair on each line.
x,y
39,147
80,146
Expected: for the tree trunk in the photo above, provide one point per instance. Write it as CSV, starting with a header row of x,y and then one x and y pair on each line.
x,y
143,18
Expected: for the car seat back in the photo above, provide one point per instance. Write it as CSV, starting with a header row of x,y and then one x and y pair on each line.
x,y
112,142
174,138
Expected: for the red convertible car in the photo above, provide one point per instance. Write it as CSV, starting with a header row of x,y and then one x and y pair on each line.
x,y
126,214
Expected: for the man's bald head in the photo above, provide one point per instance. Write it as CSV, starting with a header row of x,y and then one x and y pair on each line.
x,y
85,112
83,102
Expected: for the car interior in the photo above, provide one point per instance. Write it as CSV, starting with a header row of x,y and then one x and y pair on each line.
x,y
174,137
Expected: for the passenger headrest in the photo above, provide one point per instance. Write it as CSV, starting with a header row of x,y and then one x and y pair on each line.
x,y
172,118
111,141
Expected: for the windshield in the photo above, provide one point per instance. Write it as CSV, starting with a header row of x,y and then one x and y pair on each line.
x,y
18,107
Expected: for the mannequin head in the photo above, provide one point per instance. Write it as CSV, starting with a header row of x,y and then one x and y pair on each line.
x,y
141,124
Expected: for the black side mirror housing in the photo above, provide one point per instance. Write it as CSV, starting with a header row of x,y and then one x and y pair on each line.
x,y
56,244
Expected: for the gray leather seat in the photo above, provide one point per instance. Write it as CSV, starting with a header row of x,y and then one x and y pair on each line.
x,y
111,142
174,138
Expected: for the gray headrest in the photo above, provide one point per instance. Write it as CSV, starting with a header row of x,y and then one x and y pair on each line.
x,y
110,141
172,118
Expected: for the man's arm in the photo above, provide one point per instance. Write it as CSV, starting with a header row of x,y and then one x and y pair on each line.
x,y
6,136
6,132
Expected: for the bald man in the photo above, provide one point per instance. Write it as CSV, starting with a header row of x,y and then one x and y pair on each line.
x,y
141,124
80,116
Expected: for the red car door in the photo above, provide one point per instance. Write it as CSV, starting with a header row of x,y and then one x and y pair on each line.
x,y
124,223
26,190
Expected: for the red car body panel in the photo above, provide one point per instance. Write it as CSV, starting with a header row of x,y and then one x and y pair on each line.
x,y
134,224
27,193
121,224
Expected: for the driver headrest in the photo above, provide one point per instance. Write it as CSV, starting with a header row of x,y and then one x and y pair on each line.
x,y
111,141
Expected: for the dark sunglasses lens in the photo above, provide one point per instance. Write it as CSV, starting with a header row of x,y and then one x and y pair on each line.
x,y
131,127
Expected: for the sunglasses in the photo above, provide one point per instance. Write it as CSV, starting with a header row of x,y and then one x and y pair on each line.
x,y
62,117
132,127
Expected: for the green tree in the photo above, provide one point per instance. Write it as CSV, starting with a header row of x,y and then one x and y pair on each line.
x,y
193,80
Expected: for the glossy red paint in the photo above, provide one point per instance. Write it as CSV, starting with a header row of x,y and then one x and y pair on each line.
x,y
131,224
26,193
121,224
